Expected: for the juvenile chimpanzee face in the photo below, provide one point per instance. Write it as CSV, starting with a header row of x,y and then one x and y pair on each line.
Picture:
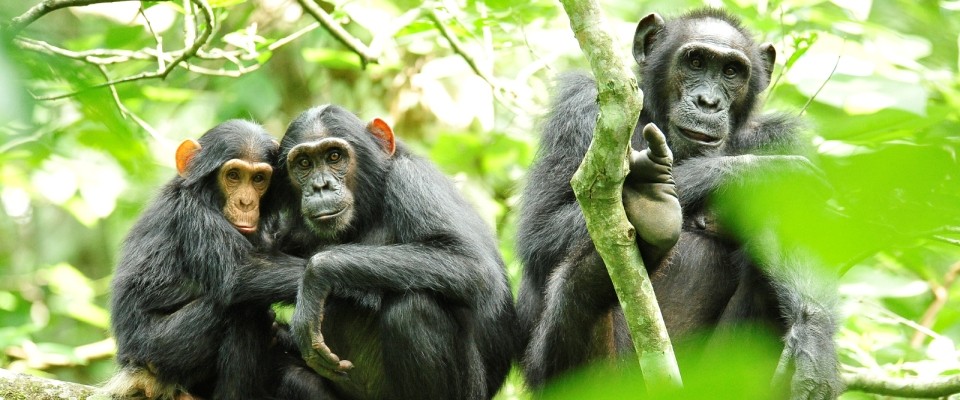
x,y
322,172
701,76
232,165
243,183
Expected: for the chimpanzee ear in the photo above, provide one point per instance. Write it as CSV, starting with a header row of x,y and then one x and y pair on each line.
x,y
646,34
185,152
276,144
381,130
768,56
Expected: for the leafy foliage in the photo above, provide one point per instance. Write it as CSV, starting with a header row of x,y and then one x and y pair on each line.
x,y
879,82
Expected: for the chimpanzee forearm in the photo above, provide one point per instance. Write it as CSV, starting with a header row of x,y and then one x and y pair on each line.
x,y
807,297
268,278
401,268
698,178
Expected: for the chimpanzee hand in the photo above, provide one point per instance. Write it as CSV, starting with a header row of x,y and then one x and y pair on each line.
x,y
307,321
811,354
649,194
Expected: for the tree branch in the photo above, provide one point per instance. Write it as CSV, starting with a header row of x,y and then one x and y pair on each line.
x,y
903,387
47,6
21,386
366,55
598,185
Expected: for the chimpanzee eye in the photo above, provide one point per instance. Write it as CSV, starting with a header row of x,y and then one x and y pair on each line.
x,y
259,178
730,71
233,175
333,156
304,162
695,60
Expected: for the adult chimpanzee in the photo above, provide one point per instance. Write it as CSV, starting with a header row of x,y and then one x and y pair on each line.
x,y
701,75
407,280
193,288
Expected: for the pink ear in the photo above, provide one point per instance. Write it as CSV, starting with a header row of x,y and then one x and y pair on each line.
x,y
381,130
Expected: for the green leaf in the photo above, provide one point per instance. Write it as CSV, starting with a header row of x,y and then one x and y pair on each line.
x,y
224,3
168,94
333,59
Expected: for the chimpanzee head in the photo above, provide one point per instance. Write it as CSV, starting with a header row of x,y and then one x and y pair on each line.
x,y
230,166
336,165
701,74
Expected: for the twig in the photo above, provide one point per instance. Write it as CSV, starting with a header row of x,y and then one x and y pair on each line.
x,y
344,37
47,6
822,85
940,296
903,387
202,39
123,109
458,48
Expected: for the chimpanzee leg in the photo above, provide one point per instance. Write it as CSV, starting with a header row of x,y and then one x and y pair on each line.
x,y
244,361
578,322
421,340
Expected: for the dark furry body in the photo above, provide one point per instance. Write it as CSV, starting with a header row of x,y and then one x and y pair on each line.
x,y
419,300
567,305
191,295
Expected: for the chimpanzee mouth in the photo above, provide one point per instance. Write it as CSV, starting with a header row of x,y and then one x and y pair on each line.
x,y
324,216
698,137
245,229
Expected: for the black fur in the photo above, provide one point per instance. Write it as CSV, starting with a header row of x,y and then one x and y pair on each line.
x,y
419,301
567,306
192,295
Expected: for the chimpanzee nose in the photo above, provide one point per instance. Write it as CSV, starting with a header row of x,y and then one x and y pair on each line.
x,y
708,103
323,184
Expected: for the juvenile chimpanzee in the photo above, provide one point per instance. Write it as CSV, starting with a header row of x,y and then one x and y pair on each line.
x,y
193,288
406,282
701,75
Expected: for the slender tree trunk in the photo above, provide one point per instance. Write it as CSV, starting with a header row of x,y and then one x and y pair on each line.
x,y
598,185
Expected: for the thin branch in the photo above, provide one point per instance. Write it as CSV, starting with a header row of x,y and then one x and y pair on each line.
x,y
17,24
903,387
940,296
458,48
947,240
123,109
202,40
344,37
822,85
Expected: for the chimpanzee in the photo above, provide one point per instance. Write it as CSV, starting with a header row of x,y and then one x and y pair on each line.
x,y
192,293
405,279
701,75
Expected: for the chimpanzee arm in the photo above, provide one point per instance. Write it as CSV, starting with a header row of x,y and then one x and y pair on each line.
x,y
772,141
399,268
268,278
699,177
807,295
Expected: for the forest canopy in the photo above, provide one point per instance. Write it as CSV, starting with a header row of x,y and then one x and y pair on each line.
x,y
95,98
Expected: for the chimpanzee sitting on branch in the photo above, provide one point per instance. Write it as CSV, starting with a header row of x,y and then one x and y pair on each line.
x,y
701,75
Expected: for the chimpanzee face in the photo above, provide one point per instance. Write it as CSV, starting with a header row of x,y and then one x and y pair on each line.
x,y
322,172
243,183
702,77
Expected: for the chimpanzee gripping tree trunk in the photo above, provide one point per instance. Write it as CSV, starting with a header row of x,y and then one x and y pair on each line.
x,y
598,185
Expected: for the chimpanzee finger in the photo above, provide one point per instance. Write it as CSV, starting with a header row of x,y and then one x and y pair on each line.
x,y
657,143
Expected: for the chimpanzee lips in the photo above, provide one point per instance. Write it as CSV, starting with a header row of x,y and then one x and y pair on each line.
x,y
245,229
324,216
698,137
